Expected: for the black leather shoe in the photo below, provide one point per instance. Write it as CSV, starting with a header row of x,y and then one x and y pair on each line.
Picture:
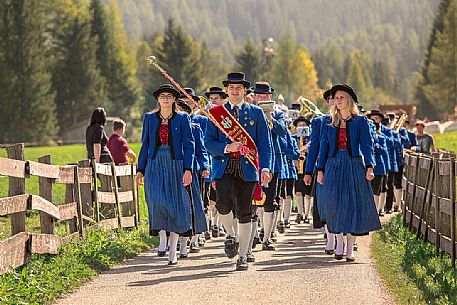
x,y
194,248
329,252
306,220
172,263
268,246
215,232
183,255
350,259
230,247
161,253
389,212
338,257
250,258
241,264
207,235
281,227
287,224
381,214
299,219
355,247
201,241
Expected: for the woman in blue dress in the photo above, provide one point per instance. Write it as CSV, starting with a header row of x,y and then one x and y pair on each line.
x,y
345,177
166,161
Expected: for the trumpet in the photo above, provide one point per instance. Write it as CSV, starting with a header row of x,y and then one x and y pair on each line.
x,y
398,123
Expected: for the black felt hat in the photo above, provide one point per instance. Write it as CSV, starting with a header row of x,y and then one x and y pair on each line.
x,y
236,78
327,94
166,88
301,119
184,106
262,88
375,112
216,90
345,88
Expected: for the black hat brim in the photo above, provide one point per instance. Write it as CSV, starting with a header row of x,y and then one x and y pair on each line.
x,y
379,114
169,90
295,122
221,93
245,83
184,106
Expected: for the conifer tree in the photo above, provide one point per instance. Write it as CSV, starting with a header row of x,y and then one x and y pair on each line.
x,y
249,61
28,111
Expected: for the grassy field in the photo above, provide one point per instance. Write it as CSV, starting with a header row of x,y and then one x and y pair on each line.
x,y
409,267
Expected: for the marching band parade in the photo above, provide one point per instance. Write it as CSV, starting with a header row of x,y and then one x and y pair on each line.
x,y
236,164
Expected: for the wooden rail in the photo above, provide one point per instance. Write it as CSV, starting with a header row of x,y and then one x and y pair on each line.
x,y
95,194
429,199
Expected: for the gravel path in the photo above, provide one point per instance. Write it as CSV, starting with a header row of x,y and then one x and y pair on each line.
x,y
296,273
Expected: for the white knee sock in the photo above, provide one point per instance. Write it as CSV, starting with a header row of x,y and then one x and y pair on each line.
x,y
261,211
173,245
398,194
235,228
339,244
195,238
382,201
281,211
300,204
275,219
350,246
268,223
183,245
163,240
253,234
287,208
307,205
227,222
245,230
376,202
330,241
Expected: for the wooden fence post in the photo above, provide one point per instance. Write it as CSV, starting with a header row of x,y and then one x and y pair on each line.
x,y
86,193
116,194
16,186
413,202
45,188
77,192
452,187
97,204
136,206
437,203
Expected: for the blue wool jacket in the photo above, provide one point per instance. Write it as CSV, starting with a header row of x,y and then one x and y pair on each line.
x,y
180,139
393,166
254,121
381,155
398,148
292,153
201,160
201,120
359,141
313,150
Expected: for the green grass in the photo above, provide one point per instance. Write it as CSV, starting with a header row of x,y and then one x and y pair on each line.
x,y
410,269
446,140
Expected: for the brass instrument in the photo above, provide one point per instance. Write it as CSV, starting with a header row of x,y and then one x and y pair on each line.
x,y
203,102
400,122
306,103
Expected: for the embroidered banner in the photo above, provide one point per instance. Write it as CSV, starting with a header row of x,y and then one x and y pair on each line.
x,y
226,121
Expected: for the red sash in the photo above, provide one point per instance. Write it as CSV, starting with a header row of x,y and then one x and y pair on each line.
x,y
228,122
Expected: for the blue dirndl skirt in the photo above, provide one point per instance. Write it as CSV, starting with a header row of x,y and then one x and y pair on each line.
x,y
346,196
167,199
198,211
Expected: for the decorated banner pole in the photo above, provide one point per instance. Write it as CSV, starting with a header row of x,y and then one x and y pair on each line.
x,y
243,149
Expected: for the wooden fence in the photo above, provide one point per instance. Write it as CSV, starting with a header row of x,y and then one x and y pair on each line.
x,y
102,194
429,199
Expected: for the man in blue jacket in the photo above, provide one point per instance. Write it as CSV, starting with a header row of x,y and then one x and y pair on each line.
x,y
235,176
263,94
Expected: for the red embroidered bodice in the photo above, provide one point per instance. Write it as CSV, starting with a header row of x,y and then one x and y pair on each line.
x,y
163,134
342,138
